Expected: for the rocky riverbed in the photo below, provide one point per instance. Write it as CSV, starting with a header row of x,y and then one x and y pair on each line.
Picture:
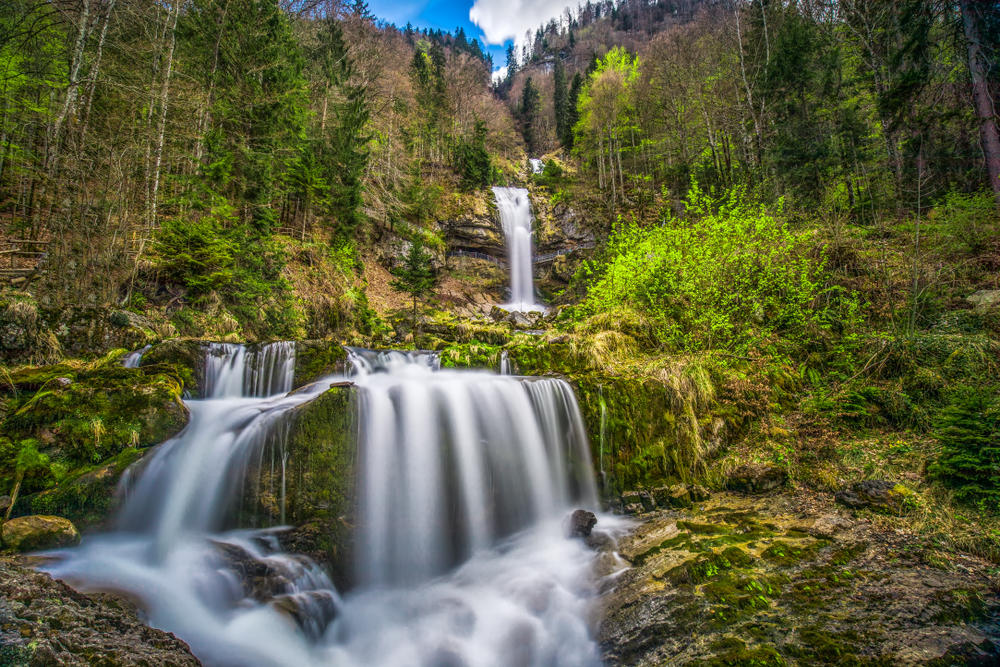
x,y
793,579
44,622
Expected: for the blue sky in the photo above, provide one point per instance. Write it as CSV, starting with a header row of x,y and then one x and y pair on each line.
x,y
497,22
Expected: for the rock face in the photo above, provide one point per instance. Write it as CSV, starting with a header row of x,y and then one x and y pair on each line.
x,y
791,579
757,478
44,622
38,532
873,494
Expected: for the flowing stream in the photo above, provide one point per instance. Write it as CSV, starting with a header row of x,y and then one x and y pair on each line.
x,y
516,218
465,481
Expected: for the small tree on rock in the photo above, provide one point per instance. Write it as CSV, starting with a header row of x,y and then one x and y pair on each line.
x,y
415,276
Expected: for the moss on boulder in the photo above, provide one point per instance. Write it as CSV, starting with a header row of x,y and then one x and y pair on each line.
x,y
37,532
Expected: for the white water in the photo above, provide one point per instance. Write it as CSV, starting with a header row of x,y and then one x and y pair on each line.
x,y
537,166
466,478
516,218
134,358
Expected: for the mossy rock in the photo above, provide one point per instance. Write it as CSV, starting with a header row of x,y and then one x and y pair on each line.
x,y
877,495
78,416
319,445
315,359
37,532
185,356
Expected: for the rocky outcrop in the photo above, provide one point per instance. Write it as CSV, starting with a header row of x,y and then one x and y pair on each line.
x,y
39,532
792,580
304,478
756,478
44,622
874,494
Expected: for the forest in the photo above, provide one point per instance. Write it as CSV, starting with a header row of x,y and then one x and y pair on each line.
x,y
320,334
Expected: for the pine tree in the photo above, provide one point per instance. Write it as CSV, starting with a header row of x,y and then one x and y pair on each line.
x,y
560,99
530,104
969,433
415,276
572,110
474,160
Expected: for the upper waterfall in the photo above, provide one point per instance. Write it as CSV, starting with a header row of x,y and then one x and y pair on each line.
x,y
516,218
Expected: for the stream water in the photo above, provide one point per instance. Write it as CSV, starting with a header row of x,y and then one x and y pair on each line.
x,y
466,478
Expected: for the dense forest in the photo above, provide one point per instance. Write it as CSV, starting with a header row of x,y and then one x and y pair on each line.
x,y
760,241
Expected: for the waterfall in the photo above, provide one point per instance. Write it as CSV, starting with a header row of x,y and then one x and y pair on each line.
x,y
134,358
537,166
515,218
453,460
465,479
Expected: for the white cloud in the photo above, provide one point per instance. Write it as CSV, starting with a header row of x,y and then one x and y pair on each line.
x,y
501,20
499,74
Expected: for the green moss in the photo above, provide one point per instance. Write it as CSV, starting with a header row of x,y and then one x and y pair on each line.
x,y
704,528
733,652
818,645
315,359
709,566
787,554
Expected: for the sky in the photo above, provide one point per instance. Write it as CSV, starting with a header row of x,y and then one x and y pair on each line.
x,y
494,22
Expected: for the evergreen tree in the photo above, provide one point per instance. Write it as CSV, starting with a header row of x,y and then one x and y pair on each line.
x,y
474,160
346,140
572,110
560,99
969,433
530,105
415,276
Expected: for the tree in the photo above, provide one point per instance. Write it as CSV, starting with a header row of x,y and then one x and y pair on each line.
x,y
415,276
572,110
530,106
978,68
474,160
560,99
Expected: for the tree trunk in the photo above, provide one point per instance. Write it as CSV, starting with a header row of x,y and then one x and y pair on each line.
x,y
74,81
164,95
988,132
13,496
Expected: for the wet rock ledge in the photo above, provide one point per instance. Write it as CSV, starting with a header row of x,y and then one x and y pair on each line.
x,y
45,622
793,579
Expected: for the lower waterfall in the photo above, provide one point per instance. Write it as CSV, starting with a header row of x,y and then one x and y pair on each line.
x,y
465,480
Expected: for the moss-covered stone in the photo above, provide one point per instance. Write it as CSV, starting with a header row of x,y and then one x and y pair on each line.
x,y
86,422
317,358
319,448
37,532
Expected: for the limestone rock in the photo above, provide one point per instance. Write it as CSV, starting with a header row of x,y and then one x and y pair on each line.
x,y
757,478
875,494
676,496
984,299
698,493
38,531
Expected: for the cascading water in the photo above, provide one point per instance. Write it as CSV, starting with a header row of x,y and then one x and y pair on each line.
x,y
465,478
515,217
134,358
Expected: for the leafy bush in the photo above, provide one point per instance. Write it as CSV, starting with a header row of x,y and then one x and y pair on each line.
x,y
731,276
969,434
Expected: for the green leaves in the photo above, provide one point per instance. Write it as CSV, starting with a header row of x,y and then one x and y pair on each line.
x,y
731,275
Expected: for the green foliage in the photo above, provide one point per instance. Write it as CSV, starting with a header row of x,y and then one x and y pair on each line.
x,y
969,434
473,160
216,254
415,275
732,277
529,109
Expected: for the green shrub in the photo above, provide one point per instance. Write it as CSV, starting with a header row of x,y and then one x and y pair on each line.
x,y
729,275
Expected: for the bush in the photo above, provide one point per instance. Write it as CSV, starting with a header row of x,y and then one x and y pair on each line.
x,y
733,277
969,434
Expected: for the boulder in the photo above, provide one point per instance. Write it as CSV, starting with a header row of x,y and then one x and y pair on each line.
x,y
677,496
756,478
646,499
698,493
984,299
38,531
581,523
875,494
